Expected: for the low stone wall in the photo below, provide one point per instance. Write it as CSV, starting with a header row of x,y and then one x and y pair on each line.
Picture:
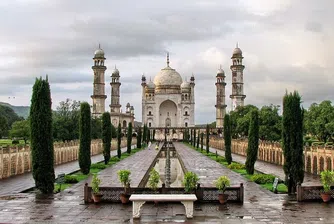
x,y
17,160
316,158
311,193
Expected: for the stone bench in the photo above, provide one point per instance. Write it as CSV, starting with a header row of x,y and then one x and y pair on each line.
x,y
186,199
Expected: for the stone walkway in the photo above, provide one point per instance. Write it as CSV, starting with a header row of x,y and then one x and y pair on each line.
x,y
260,206
269,168
138,164
22,182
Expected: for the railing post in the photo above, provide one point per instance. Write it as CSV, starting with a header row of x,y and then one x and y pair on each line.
x,y
242,193
199,192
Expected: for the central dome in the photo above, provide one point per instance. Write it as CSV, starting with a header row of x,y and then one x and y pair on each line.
x,y
168,77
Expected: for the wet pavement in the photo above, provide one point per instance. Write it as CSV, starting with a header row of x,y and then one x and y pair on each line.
x,y
269,168
260,206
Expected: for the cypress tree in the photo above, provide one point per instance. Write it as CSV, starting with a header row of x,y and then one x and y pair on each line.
x,y
85,138
148,135
253,141
194,142
129,140
207,138
139,138
202,137
119,139
227,138
197,140
153,136
144,133
292,133
106,136
41,141
113,131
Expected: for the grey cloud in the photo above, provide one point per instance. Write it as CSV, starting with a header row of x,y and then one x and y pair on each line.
x,y
314,27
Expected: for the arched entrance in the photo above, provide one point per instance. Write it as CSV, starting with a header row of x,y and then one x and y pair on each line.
x,y
168,114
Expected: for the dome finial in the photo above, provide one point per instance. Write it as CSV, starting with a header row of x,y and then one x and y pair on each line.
x,y
115,66
220,66
167,59
99,46
237,44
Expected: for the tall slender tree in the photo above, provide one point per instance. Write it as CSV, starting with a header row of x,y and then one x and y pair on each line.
x,y
227,138
148,135
139,138
129,136
106,136
293,140
202,137
144,133
198,136
194,141
253,141
85,138
153,135
41,136
119,139
207,138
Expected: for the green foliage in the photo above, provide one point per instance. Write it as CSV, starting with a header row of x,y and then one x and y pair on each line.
x,y
319,120
66,120
119,139
145,133
153,135
222,183
9,114
96,128
227,138
96,184
129,138
236,166
139,135
253,141
190,181
198,137
106,136
327,180
270,123
41,137
20,129
263,178
69,179
207,138
153,181
194,141
113,131
85,138
240,119
124,178
3,126
292,145
21,111
202,138
148,134
99,166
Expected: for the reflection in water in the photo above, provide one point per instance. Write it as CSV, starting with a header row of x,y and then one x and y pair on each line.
x,y
176,172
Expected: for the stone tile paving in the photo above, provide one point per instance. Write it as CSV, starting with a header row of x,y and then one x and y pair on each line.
x,y
260,206
25,181
138,164
269,168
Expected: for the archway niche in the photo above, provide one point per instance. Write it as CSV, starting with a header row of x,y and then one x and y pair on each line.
x,y
168,114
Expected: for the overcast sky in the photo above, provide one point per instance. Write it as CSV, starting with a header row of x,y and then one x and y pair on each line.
x,y
286,44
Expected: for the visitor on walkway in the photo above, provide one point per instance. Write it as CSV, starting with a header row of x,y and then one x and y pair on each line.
x,y
157,146
149,145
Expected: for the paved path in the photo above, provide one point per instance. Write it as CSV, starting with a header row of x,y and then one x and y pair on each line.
x,y
269,168
138,164
261,206
22,182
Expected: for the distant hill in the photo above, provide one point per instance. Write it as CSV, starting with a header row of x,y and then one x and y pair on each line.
x,y
21,111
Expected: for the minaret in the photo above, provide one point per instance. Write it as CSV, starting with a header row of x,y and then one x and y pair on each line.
x,y
99,96
237,69
192,100
115,106
220,98
143,100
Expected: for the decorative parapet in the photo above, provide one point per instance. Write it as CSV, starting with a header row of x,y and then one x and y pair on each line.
x,y
316,158
17,160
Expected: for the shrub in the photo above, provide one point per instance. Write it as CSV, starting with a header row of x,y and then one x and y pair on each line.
x,y
222,182
15,142
236,166
220,159
95,184
327,180
124,178
190,181
99,166
263,178
153,181
70,179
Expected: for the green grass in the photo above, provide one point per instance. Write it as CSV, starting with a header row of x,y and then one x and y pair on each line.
x,y
281,188
8,142
63,187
